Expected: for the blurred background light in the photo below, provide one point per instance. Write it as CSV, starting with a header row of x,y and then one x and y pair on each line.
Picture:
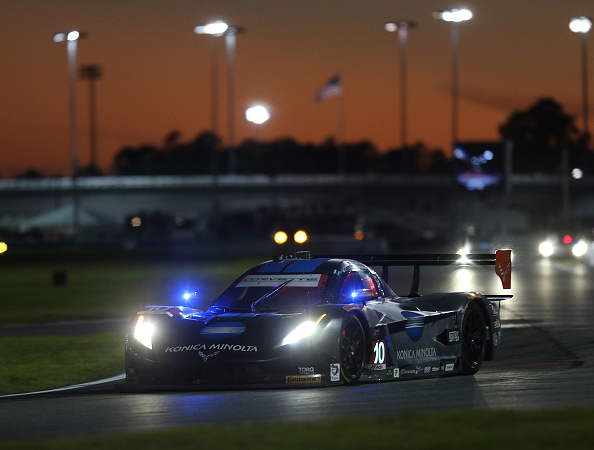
x,y
280,237
580,24
217,28
300,237
455,15
257,114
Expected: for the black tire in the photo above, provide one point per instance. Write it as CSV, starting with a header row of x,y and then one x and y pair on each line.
x,y
474,339
352,349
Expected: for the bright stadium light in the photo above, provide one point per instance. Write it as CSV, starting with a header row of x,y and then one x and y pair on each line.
x,y
257,114
454,15
580,24
217,28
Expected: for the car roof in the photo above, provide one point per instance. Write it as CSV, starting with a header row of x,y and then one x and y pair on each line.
x,y
299,265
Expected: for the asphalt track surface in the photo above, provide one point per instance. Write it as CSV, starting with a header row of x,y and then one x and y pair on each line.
x,y
546,361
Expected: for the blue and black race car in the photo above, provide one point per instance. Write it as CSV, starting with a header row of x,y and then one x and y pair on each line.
x,y
319,321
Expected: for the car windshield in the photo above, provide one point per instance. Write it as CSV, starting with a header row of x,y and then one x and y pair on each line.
x,y
274,292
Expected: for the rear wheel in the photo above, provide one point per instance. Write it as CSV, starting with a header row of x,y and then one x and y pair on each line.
x,y
474,341
352,349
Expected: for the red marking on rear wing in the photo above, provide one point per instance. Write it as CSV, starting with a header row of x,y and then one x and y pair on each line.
x,y
501,259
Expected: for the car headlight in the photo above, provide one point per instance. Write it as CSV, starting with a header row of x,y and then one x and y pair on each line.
x,y
143,332
546,249
302,331
579,249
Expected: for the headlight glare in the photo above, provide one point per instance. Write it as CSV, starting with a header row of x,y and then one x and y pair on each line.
x,y
546,249
579,249
143,332
302,331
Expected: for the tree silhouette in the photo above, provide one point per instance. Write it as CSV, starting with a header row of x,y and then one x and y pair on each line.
x,y
539,135
282,156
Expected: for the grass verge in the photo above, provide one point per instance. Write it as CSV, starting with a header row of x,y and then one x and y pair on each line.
x,y
100,285
38,363
444,430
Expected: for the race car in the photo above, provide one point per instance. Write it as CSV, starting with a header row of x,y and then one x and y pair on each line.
x,y
564,246
317,321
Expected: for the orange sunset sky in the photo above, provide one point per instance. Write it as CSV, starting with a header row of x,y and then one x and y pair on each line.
x,y
156,71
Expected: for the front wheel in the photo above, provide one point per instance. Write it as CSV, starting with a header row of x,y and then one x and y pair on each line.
x,y
474,342
352,349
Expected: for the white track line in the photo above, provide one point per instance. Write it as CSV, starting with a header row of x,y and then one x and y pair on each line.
x,y
68,388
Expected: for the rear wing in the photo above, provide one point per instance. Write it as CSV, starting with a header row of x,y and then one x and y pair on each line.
x,y
501,259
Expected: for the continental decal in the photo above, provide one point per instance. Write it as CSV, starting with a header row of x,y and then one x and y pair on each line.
x,y
303,379
427,352
219,347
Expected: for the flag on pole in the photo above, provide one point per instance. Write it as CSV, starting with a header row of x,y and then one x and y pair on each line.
x,y
331,89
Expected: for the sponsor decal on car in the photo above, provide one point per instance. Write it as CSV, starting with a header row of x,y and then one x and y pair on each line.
x,y
419,370
375,366
427,352
446,367
303,379
296,280
335,372
220,347
409,371
414,324
453,337
305,370
393,372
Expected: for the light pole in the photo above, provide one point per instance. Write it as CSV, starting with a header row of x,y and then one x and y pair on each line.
x,y
92,72
220,28
214,29
454,16
402,28
71,39
583,25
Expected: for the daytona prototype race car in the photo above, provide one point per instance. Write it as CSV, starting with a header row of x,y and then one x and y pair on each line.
x,y
319,321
